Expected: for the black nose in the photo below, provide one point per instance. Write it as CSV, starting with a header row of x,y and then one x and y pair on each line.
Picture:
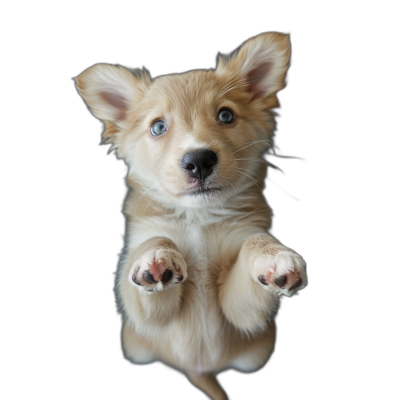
x,y
199,163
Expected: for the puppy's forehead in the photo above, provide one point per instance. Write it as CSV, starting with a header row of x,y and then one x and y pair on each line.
x,y
193,88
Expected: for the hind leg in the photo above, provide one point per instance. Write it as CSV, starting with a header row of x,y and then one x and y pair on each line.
x,y
135,348
257,353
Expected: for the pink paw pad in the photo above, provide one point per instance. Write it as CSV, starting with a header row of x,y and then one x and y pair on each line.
x,y
157,272
157,268
282,273
291,280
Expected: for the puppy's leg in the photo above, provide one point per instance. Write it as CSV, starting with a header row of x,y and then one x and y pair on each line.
x,y
249,294
253,354
136,348
149,283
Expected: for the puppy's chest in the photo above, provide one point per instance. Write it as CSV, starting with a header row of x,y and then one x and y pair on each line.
x,y
202,249
206,255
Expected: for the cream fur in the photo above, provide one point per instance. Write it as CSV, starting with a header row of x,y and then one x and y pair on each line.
x,y
216,311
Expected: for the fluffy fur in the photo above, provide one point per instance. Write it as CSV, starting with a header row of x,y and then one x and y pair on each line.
x,y
225,271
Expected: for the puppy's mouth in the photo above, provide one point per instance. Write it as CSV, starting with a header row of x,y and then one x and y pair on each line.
x,y
201,191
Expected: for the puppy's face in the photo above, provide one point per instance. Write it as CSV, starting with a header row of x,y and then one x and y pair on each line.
x,y
193,138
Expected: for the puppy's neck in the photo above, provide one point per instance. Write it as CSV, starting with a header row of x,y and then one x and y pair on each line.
x,y
143,203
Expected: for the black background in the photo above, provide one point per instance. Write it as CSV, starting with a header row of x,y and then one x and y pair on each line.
x,y
315,345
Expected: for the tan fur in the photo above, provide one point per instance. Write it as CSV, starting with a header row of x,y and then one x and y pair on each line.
x,y
217,311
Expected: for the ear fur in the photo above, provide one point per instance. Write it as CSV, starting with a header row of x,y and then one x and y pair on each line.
x,y
111,92
260,64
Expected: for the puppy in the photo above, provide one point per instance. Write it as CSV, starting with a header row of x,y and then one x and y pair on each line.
x,y
199,278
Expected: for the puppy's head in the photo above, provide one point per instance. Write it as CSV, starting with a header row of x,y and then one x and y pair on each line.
x,y
193,138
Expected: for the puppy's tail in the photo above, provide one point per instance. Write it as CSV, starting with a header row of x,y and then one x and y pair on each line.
x,y
208,384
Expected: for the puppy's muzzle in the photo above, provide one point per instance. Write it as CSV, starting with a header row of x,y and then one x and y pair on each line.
x,y
199,164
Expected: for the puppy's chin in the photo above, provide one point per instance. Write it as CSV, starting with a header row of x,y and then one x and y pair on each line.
x,y
200,197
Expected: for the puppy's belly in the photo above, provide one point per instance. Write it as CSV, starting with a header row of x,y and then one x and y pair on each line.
x,y
197,337
202,315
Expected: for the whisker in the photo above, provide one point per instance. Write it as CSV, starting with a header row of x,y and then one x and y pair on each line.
x,y
233,87
232,82
283,190
250,144
261,161
227,84
140,197
227,180
252,172
250,178
237,86
237,174
239,82
292,157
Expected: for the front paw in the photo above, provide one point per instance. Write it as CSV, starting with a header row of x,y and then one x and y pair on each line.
x,y
158,269
284,272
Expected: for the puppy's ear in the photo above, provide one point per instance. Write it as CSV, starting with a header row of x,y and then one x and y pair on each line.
x,y
111,93
259,65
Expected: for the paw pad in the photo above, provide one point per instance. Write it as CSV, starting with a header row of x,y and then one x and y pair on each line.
x,y
283,273
149,277
167,275
158,268
281,281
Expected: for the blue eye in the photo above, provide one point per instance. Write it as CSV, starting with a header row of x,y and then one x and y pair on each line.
x,y
225,115
158,128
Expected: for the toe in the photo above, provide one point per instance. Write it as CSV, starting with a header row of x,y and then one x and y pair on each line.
x,y
297,284
261,278
281,281
166,276
134,279
149,277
